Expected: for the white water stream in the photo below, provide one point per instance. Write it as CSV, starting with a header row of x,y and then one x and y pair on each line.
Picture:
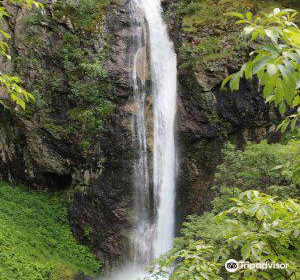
x,y
154,210
164,85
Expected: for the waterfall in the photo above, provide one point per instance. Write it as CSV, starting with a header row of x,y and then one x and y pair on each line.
x,y
164,87
142,239
154,209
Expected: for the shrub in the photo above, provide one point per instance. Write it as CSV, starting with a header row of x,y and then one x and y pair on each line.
x,y
258,228
262,166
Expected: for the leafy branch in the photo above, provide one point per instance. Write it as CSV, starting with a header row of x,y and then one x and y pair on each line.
x,y
276,63
10,87
259,228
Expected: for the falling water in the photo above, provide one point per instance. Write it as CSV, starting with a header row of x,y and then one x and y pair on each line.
x,y
142,239
164,86
152,236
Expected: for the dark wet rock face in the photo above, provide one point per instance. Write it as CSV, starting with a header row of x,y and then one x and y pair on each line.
x,y
207,116
12,140
78,133
81,276
237,117
101,215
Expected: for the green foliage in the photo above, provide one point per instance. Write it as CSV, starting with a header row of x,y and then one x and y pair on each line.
x,y
78,60
11,84
264,229
32,18
84,14
209,38
16,93
90,121
53,81
258,228
276,63
194,262
267,167
200,13
29,3
222,200
204,228
209,49
87,91
204,36
36,242
244,225
94,69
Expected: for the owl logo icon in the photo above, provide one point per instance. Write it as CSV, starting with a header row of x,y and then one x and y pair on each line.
x,y
231,265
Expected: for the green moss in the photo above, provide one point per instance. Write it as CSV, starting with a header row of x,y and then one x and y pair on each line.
x,y
84,14
54,82
89,122
87,91
92,117
78,60
53,127
35,239
33,18
208,49
80,189
94,69
199,149
81,74
85,145
87,232
210,13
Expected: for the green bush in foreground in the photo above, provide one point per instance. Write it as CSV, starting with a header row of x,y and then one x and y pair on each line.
x,y
259,228
244,224
35,239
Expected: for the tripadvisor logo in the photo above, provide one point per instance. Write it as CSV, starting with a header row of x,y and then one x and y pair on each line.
x,y
232,265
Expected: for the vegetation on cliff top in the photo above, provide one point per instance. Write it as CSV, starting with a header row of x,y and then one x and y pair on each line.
x,y
85,14
36,242
209,36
